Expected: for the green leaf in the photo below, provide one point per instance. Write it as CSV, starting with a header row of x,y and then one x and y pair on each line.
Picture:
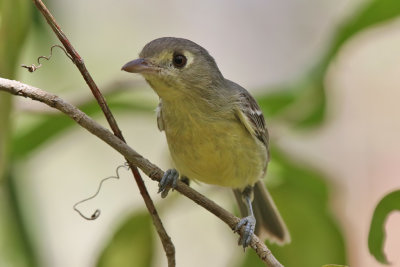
x,y
376,237
303,102
16,245
14,24
14,27
272,103
131,245
334,265
50,126
301,195
296,105
374,12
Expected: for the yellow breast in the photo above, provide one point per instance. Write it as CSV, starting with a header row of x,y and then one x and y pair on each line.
x,y
216,150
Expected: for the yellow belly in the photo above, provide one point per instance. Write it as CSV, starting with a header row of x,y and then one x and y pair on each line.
x,y
220,152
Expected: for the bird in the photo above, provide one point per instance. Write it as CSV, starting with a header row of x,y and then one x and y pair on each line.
x,y
215,130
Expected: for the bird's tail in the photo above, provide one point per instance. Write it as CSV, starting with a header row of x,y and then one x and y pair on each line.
x,y
269,223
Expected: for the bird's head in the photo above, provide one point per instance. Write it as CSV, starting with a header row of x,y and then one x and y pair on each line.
x,y
176,67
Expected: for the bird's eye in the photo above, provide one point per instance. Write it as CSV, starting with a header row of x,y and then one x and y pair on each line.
x,y
179,60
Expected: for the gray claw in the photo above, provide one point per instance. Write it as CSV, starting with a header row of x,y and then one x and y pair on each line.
x,y
168,181
249,223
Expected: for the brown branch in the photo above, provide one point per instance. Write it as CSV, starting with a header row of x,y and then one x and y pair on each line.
x,y
151,170
76,58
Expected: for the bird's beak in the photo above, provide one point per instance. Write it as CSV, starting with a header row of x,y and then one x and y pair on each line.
x,y
140,65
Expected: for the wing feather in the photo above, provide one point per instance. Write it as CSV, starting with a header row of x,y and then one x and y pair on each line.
x,y
252,117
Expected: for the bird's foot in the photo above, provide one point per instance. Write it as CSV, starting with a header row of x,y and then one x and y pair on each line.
x,y
168,181
249,223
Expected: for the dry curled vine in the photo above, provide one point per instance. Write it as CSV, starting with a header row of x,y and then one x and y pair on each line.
x,y
97,212
33,67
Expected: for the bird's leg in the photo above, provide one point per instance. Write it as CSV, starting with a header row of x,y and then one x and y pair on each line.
x,y
248,222
168,181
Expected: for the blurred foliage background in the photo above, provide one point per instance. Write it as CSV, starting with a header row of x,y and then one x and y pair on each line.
x,y
37,225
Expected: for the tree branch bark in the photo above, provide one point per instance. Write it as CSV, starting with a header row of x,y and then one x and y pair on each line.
x,y
151,170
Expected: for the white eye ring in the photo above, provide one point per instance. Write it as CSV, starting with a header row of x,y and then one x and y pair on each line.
x,y
179,60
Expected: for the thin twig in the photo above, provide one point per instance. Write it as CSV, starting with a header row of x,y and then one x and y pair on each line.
x,y
76,58
151,170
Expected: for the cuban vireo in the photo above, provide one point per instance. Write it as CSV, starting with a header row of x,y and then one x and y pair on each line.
x,y
215,130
